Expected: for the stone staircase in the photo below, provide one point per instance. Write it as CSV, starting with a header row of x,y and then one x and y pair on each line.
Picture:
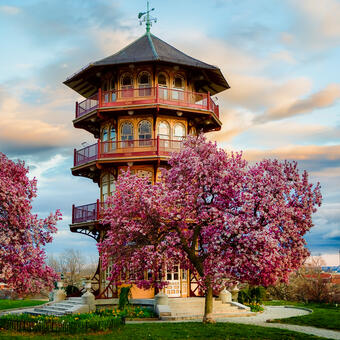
x,y
193,308
70,306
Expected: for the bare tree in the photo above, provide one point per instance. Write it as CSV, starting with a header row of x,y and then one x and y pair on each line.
x,y
72,264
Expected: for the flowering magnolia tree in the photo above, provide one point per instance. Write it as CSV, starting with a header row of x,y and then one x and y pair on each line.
x,y
213,214
22,234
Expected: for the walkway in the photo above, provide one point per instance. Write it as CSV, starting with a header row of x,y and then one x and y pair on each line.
x,y
281,312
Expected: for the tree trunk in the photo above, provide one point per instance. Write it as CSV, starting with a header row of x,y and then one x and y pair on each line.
x,y
208,309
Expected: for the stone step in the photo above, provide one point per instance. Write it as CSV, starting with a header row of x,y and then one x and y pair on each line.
x,y
47,312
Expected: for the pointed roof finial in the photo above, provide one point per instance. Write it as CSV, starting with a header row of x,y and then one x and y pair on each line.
x,y
146,17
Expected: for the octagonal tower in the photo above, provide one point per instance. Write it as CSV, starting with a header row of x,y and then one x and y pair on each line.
x,y
139,103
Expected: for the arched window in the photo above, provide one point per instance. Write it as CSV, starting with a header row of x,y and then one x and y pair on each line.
x,y
177,92
164,134
164,130
108,138
105,138
126,134
144,133
179,134
144,84
108,186
163,86
127,85
113,96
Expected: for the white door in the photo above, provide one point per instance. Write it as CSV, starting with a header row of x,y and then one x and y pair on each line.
x,y
174,287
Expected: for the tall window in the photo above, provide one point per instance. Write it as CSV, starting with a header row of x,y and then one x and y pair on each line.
x,y
127,85
113,95
108,138
105,146
163,86
178,91
144,133
164,134
108,186
144,84
179,134
127,134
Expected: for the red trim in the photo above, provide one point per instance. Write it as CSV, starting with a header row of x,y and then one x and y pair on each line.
x,y
100,97
99,148
73,213
98,209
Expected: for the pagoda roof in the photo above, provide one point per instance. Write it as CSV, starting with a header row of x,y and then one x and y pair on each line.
x,y
149,48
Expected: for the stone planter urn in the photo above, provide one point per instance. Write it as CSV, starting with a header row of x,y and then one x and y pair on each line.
x,y
59,294
234,293
88,298
225,296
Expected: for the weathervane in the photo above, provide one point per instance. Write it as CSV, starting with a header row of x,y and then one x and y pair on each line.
x,y
146,17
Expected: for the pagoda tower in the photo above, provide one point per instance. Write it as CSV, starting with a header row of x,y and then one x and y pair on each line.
x,y
139,104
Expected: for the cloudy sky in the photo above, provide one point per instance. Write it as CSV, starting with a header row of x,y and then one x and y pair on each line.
x,y
281,58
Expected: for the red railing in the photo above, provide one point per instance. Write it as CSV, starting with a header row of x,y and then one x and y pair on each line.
x,y
147,95
87,106
86,154
114,149
87,213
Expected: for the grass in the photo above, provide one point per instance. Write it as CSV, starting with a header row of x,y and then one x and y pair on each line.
x,y
323,316
167,331
8,304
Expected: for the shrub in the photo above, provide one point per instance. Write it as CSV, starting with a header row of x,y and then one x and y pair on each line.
x,y
124,294
129,311
250,295
255,307
72,291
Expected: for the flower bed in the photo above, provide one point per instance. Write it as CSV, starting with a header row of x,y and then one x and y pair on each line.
x,y
130,312
75,323
254,307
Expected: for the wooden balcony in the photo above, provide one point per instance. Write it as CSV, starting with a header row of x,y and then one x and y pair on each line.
x,y
147,96
86,213
102,151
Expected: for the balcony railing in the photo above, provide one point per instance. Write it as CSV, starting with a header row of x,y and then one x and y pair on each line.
x,y
147,95
116,149
87,213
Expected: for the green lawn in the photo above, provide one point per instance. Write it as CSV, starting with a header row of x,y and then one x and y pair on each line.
x,y
7,304
165,331
323,316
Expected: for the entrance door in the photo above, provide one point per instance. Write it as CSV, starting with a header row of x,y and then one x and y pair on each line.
x,y
174,287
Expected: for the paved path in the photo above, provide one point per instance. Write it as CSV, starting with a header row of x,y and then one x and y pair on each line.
x,y
280,312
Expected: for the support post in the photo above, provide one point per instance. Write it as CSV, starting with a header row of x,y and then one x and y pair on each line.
x,y
74,157
157,94
98,207
98,150
73,213
157,145
99,98
77,109
208,102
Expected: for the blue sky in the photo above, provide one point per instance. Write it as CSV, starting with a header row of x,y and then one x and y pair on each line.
x,y
281,59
